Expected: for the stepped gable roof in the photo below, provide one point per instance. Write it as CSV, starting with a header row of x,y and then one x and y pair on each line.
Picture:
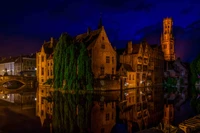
x,y
47,48
89,38
136,48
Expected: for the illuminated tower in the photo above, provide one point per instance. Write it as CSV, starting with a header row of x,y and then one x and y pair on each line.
x,y
167,40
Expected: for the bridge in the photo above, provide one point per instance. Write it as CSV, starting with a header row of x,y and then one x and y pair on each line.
x,y
17,84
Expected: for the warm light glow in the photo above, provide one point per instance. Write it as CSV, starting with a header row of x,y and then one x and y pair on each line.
x,y
35,99
35,69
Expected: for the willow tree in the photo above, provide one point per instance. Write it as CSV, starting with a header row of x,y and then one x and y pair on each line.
x,y
72,73
60,59
85,80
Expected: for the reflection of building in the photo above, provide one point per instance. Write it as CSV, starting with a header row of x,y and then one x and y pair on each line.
x,y
142,66
168,114
103,64
24,64
167,40
19,90
103,114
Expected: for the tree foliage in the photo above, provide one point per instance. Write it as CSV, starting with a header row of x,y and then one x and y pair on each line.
x,y
195,71
72,73
170,84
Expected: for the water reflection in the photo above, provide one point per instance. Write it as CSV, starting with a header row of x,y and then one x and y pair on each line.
x,y
100,111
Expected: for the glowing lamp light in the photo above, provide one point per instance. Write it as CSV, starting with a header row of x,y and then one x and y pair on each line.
x,y
35,99
35,69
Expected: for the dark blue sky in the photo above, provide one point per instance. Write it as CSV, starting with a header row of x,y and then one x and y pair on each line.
x,y
25,24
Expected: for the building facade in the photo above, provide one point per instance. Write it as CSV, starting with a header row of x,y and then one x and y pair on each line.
x,y
142,66
25,65
167,40
18,65
103,62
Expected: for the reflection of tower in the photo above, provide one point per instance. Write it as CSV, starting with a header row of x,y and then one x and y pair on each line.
x,y
168,114
167,40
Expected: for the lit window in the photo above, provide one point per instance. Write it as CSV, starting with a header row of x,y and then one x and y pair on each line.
x,y
113,70
102,70
107,59
113,60
107,117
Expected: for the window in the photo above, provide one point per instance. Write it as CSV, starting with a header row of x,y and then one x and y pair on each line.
x,y
113,105
42,58
133,99
107,117
48,73
102,38
102,70
138,99
129,99
112,115
113,71
113,60
103,46
133,77
42,80
107,59
129,76
51,72
42,72
101,106
42,112
138,75
48,64
165,46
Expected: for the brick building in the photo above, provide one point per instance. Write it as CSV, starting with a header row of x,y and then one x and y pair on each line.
x,y
103,61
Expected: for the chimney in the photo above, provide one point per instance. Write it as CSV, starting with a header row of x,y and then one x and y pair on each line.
x,y
88,30
130,48
51,42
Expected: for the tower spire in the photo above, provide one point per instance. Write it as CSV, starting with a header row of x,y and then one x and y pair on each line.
x,y
100,21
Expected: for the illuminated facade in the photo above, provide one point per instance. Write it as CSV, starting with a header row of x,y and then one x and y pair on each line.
x,y
103,57
24,64
167,40
142,66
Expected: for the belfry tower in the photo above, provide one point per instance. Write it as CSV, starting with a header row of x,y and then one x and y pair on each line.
x,y
167,40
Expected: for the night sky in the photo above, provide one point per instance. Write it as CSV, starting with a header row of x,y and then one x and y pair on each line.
x,y
24,25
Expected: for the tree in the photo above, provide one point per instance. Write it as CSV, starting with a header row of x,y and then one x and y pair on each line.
x,y
72,73
195,71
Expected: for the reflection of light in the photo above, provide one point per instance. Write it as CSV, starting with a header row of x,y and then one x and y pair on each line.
x,y
126,94
35,68
35,99
126,84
